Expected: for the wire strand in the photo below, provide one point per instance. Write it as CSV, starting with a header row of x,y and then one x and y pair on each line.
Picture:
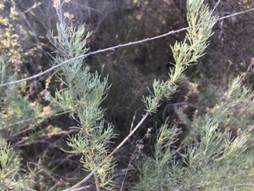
x,y
113,48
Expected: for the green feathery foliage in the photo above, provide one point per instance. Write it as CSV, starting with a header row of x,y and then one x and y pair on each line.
x,y
14,108
219,149
83,95
185,53
156,171
217,154
10,167
16,111
160,172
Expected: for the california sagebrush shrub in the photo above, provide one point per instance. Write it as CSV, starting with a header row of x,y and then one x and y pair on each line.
x,y
215,154
82,96
14,111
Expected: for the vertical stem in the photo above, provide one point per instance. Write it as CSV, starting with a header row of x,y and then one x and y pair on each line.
x,y
97,184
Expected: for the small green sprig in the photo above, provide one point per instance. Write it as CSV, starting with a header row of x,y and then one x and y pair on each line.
x,y
185,53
